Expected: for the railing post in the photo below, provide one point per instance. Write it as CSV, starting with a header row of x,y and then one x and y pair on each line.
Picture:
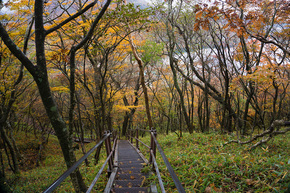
x,y
131,136
110,146
114,134
153,132
137,137
154,144
108,150
151,145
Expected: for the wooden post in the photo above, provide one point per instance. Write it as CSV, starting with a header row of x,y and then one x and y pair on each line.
x,y
132,136
137,137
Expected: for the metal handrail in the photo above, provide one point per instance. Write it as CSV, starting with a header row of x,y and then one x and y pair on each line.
x,y
57,182
157,173
153,144
142,142
168,165
102,168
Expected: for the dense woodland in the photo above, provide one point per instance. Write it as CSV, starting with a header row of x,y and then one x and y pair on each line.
x,y
74,69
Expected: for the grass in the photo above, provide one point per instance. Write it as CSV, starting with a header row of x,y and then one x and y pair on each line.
x,y
37,179
202,165
199,161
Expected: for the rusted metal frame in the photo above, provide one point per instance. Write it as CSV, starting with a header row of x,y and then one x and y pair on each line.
x,y
114,149
116,154
108,151
100,172
170,169
57,182
110,157
111,161
115,169
152,144
154,133
157,172
115,143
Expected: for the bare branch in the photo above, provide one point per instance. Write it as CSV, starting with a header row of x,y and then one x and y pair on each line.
x,y
14,49
270,131
71,17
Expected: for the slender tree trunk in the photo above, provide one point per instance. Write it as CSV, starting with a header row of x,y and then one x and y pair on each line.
x,y
6,140
170,33
142,78
3,183
183,108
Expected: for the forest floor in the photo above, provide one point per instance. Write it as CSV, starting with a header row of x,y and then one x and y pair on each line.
x,y
203,165
199,160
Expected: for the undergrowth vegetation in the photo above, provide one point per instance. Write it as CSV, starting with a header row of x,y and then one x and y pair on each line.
x,y
37,179
199,160
203,165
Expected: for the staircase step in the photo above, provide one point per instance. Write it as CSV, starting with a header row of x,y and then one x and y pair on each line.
x,y
129,170
128,183
136,165
133,176
136,159
131,190
124,162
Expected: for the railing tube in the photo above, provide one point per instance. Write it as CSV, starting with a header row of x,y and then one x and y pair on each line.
x,y
143,143
170,169
157,172
151,146
100,172
154,133
73,167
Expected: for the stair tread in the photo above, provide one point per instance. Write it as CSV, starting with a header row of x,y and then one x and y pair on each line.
x,y
128,183
136,176
131,190
129,170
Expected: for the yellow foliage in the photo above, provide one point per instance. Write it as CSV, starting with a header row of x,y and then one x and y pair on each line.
x,y
60,89
126,108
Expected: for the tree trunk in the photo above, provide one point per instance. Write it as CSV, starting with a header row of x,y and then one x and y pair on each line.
x,y
172,42
6,140
61,131
183,108
140,64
